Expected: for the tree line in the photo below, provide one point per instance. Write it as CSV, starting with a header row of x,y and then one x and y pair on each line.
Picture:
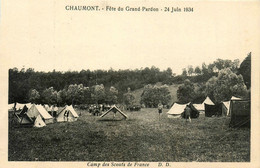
x,y
111,86
229,79
75,94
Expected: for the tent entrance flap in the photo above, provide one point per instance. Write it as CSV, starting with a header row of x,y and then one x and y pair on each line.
x,y
240,113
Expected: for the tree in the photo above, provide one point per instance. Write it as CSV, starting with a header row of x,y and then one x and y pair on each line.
x,y
129,98
34,96
204,69
86,95
211,68
111,96
98,93
75,93
235,65
49,96
245,70
199,93
197,70
169,71
219,63
190,70
185,92
62,97
210,87
153,95
184,72
226,85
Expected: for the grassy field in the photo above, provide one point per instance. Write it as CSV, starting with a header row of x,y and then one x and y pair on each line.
x,y
142,137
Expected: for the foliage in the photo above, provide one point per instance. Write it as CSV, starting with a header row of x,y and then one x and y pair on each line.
x,y
98,93
245,70
226,85
199,93
75,93
49,96
197,70
153,95
21,82
190,70
112,95
34,96
184,72
185,92
129,98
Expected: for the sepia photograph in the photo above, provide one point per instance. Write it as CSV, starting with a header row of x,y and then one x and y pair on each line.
x,y
129,84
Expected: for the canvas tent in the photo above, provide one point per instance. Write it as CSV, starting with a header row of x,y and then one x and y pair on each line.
x,y
23,120
39,122
213,110
194,112
19,106
208,101
25,108
114,109
10,106
47,107
67,114
36,110
199,107
226,104
235,98
240,113
53,108
176,110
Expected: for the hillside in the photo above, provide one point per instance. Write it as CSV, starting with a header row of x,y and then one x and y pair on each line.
x,y
173,90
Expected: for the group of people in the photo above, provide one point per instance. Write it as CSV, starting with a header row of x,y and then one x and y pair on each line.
x,y
97,109
187,112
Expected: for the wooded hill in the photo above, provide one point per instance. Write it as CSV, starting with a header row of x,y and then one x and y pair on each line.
x,y
23,82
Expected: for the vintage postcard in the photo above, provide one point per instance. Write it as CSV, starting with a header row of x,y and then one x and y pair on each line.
x,y
120,83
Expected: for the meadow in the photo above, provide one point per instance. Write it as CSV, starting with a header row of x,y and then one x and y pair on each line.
x,y
142,137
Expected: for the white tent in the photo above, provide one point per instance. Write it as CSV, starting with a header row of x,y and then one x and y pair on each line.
x,y
28,105
10,106
208,101
55,109
39,122
115,110
23,120
19,106
47,107
227,105
25,108
52,108
67,114
176,110
36,110
199,107
235,98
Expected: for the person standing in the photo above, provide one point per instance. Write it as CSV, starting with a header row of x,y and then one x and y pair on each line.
x,y
187,112
160,107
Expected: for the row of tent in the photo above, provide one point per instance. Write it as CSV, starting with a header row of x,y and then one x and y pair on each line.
x,y
177,110
38,116
237,108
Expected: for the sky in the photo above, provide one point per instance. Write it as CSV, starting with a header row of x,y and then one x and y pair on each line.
x,y
45,36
